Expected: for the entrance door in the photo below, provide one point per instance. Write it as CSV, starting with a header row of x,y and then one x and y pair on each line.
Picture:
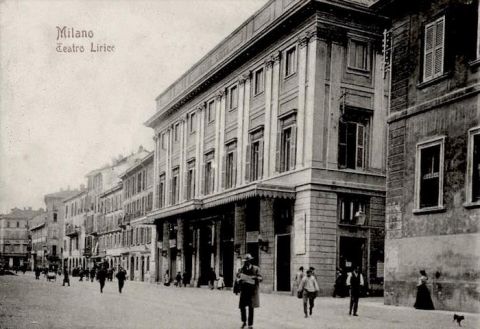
x,y
351,253
227,259
252,249
205,254
173,263
283,262
132,268
142,273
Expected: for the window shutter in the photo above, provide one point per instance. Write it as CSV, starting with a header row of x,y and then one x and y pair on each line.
x,y
248,159
293,147
278,157
360,146
260,159
439,46
428,52
224,171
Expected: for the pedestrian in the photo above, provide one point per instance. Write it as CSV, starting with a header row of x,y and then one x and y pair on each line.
x,y
81,273
178,279
102,276
92,274
110,274
121,277
308,288
220,282
37,273
249,279
297,280
24,268
339,288
166,278
355,283
212,277
66,279
423,300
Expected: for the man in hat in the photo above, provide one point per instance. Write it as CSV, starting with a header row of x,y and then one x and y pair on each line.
x,y
355,283
249,278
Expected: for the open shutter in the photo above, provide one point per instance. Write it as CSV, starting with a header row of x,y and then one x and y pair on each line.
x,y
224,170
248,157
360,146
428,52
439,47
278,157
260,159
293,146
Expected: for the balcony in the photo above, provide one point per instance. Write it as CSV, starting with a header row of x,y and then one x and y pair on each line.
x,y
87,252
72,230
127,218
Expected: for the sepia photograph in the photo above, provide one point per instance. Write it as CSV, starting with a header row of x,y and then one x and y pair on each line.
x,y
222,164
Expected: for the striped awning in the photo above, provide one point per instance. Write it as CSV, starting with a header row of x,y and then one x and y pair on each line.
x,y
249,191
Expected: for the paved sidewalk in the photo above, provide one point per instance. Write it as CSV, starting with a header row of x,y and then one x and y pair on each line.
x,y
28,303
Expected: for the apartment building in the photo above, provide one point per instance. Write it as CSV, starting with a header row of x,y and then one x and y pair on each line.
x,y
74,252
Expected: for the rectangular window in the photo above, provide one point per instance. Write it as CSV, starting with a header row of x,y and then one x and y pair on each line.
x,y
193,122
208,179
164,141
353,210
259,82
233,98
176,132
255,160
55,216
473,166
175,187
434,49
229,170
286,148
139,182
255,155
191,180
211,111
429,174
358,56
161,192
290,61
351,145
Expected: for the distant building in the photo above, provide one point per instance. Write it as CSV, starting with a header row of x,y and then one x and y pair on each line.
x,y
433,181
48,229
75,254
99,181
14,237
273,144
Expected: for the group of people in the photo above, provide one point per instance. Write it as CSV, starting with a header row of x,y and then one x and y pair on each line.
x,y
306,287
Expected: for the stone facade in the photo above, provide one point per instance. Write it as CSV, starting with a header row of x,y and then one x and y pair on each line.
x,y
277,151
432,213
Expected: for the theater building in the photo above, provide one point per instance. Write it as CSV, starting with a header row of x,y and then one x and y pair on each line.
x,y
433,182
273,144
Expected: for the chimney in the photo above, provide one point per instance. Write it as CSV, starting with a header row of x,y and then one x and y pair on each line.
x,y
140,149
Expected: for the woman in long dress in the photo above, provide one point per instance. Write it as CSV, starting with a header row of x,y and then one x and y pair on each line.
x,y
423,301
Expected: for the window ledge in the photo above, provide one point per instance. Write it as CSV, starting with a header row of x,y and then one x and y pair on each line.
x,y
475,204
358,71
429,210
258,94
288,77
433,81
474,63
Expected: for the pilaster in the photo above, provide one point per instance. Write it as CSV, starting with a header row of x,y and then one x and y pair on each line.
x,y
240,131
183,154
168,169
273,117
302,75
246,127
219,152
377,152
268,111
165,251
153,255
199,150
155,171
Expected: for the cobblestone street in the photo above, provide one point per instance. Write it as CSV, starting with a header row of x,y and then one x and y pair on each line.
x,y
26,303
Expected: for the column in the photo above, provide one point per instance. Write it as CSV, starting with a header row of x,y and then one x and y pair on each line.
x,y
246,126
240,131
165,250
183,155
302,74
218,244
153,255
268,104
267,260
239,234
180,245
197,257
334,98
219,152
199,150
168,171
218,115
155,171
273,116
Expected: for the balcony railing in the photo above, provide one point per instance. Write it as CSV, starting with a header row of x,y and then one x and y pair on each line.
x,y
71,230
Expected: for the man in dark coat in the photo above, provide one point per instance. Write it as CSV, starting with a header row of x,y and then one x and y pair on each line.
x,y
66,279
92,274
102,276
121,277
355,282
249,279
37,273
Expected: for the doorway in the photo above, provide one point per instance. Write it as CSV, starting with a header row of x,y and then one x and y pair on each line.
x,y
142,272
283,257
205,254
352,253
132,268
173,263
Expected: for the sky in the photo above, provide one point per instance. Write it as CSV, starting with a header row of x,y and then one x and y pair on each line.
x,y
63,114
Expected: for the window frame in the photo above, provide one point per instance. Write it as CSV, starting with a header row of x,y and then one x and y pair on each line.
x,y
434,49
258,89
288,73
190,188
353,200
230,95
436,141
176,132
211,114
354,41
163,141
176,186
192,119
472,133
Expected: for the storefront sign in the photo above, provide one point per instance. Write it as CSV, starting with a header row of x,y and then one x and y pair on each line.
x,y
380,268
300,234
252,237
